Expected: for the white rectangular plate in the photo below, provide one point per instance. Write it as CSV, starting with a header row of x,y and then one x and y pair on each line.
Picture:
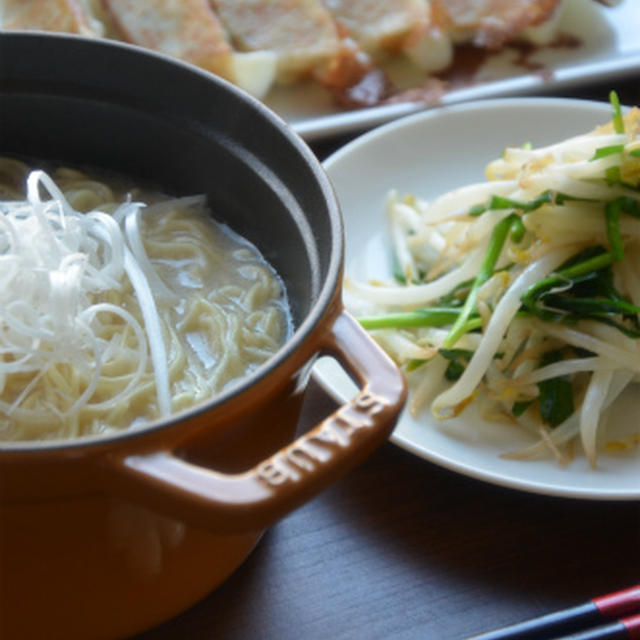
x,y
609,48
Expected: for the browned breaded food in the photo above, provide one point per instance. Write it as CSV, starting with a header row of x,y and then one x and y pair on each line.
x,y
391,27
379,24
491,23
185,29
302,33
47,15
337,43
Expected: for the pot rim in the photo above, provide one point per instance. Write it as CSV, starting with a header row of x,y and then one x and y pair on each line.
x,y
328,288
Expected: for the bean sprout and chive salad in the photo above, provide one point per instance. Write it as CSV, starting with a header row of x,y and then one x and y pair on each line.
x,y
522,294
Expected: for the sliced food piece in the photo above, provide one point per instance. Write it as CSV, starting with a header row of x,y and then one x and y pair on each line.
x,y
301,33
491,23
390,27
379,25
308,43
185,29
46,15
191,31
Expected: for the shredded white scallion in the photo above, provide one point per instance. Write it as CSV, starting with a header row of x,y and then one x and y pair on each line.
x,y
59,266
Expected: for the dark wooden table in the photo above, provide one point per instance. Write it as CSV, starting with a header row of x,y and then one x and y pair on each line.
x,y
401,549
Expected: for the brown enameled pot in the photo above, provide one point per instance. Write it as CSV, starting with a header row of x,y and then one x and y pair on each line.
x,y
106,536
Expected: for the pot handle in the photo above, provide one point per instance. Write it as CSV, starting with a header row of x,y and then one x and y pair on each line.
x,y
254,499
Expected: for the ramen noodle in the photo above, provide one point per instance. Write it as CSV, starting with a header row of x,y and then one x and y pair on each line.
x,y
119,306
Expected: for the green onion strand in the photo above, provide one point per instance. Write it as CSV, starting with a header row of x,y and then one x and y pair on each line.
x,y
616,117
496,243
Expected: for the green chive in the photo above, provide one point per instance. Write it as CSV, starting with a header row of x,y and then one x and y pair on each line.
x,y
477,210
518,408
618,122
566,274
612,175
591,294
603,152
517,230
561,198
612,214
500,202
555,401
426,317
629,206
584,306
454,370
459,358
452,354
496,243
414,364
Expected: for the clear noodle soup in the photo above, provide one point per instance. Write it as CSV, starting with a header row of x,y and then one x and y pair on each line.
x,y
119,306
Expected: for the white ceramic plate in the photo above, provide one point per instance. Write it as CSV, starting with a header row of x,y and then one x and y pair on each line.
x,y
608,48
427,154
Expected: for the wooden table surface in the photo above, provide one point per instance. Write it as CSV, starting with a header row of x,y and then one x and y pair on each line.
x,y
402,549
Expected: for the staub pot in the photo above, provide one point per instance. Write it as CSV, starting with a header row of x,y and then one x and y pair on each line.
x,y
105,536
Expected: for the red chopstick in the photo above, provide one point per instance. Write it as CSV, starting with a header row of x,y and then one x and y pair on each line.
x,y
611,613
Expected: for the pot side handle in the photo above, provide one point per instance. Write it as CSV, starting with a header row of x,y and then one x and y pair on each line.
x,y
254,499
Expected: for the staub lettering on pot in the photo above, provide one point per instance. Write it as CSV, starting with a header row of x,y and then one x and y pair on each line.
x,y
308,452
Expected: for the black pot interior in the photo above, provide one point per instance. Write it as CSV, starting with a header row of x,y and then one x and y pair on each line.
x,y
84,103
